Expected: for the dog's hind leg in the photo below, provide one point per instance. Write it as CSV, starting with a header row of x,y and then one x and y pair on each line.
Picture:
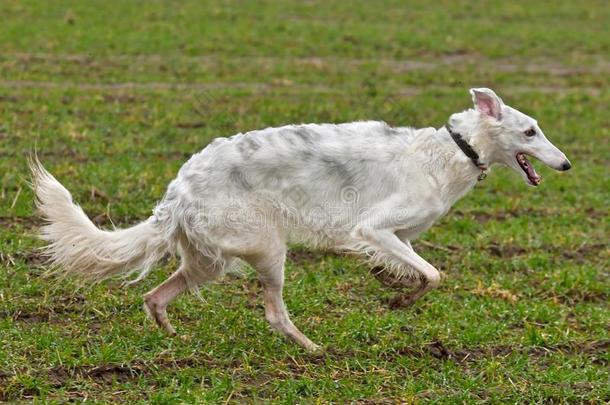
x,y
156,301
270,268
195,269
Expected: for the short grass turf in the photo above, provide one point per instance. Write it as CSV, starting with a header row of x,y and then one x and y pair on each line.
x,y
115,96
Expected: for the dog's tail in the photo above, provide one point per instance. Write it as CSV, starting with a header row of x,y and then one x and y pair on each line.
x,y
76,246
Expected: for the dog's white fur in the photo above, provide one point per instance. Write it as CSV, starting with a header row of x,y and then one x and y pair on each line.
x,y
362,187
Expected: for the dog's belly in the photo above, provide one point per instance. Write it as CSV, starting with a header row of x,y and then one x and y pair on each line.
x,y
412,233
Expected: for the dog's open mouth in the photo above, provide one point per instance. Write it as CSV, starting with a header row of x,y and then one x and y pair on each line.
x,y
528,169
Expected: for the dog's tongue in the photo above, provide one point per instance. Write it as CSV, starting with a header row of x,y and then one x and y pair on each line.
x,y
529,170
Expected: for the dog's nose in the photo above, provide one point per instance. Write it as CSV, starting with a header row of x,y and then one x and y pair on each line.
x,y
566,165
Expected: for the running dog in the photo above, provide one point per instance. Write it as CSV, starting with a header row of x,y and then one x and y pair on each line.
x,y
361,187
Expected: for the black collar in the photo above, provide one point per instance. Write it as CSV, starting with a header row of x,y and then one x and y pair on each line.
x,y
467,149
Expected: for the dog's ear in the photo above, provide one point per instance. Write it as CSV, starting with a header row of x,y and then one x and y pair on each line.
x,y
487,102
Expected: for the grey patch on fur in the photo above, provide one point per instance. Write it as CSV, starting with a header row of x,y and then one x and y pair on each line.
x,y
248,145
339,169
389,131
307,155
238,177
304,135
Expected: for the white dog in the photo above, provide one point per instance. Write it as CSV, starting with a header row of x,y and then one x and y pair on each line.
x,y
361,187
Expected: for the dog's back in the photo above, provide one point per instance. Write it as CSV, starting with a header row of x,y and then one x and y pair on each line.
x,y
310,180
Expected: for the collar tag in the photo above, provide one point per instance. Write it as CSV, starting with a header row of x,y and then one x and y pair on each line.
x,y
482,176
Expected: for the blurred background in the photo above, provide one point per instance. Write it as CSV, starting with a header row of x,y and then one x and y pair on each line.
x,y
116,95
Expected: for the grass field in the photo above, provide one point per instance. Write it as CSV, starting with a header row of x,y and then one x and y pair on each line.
x,y
115,96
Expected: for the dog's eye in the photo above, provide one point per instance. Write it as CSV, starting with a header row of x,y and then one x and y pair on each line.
x,y
530,132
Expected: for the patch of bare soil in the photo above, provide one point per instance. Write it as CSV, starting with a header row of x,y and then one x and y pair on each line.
x,y
4,375
438,350
506,250
26,222
574,297
301,257
256,87
105,373
483,217
422,61
585,251
486,216
580,254
27,317
190,125
63,305
120,98
34,258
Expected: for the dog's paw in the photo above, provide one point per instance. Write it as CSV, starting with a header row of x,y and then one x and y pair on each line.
x,y
390,280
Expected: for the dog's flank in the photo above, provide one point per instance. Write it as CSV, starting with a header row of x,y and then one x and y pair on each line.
x,y
361,187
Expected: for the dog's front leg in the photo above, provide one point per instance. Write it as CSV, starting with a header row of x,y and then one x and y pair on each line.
x,y
389,245
394,279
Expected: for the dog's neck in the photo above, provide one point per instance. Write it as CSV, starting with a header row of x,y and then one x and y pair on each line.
x,y
460,173
475,132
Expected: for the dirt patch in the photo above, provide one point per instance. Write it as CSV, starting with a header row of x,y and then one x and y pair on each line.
x,y
438,350
26,222
421,61
506,250
119,98
483,217
61,376
28,317
122,87
34,258
63,305
190,125
8,99
573,297
578,254
486,216
595,213
258,87
584,251
301,257
105,373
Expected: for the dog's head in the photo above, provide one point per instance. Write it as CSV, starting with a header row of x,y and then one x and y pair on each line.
x,y
508,136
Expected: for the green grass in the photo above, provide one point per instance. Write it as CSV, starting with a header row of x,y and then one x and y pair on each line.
x,y
115,96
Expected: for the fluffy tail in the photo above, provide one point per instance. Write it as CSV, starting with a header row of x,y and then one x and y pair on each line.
x,y
77,246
